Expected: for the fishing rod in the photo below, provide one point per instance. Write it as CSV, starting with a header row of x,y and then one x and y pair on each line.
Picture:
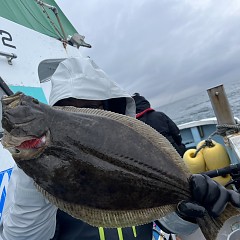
x,y
233,168
5,87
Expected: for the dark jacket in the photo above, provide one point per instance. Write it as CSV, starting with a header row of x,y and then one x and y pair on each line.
x,y
159,121
69,228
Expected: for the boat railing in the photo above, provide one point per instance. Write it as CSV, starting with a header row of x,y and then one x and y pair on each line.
x,y
9,56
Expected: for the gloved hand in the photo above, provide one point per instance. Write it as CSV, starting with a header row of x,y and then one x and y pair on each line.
x,y
206,194
189,211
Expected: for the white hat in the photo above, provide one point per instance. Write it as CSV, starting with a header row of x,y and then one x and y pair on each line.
x,y
81,78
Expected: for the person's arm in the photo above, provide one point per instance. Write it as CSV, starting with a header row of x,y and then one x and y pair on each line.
x,y
176,136
27,214
212,195
174,130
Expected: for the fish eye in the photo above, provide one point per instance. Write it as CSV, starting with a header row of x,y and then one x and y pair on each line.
x,y
17,150
35,101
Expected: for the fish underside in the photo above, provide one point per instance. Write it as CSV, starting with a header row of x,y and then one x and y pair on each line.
x,y
104,168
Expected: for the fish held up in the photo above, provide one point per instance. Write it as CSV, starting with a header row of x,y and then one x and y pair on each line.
x,y
104,168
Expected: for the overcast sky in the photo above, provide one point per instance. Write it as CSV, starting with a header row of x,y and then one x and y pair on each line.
x,y
164,49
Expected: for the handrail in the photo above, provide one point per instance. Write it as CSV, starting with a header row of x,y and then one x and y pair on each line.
x,y
9,56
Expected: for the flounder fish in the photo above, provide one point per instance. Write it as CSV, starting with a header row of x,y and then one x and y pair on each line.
x,y
104,168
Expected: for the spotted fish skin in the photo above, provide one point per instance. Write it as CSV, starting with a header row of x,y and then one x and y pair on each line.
x,y
107,165
104,168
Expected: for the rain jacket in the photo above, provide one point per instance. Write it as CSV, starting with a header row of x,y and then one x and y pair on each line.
x,y
27,214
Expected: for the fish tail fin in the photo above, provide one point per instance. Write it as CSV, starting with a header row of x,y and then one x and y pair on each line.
x,y
210,226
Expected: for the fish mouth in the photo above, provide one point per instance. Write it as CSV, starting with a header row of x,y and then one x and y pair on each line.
x,y
27,147
33,143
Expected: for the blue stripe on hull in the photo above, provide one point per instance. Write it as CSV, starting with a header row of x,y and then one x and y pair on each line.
x,y
35,92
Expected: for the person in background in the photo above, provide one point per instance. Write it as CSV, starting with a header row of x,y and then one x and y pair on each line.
x,y
159,121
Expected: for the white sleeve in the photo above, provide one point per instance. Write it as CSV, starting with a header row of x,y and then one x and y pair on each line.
x,y
27,214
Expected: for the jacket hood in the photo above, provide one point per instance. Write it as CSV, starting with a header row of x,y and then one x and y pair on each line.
x,y
81,78
141,103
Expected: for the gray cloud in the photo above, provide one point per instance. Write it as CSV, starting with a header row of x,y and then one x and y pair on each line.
x,y
164,49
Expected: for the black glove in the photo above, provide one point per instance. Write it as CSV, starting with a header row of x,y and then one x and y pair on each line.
x,y
189,211
210,195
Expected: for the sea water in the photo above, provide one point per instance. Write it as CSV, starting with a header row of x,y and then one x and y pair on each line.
x,y
199,106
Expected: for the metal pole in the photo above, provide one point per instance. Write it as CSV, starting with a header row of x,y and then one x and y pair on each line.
x,y
55,11
221,105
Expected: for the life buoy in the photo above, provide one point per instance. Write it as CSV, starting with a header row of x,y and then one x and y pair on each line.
x,y
216,157
195,164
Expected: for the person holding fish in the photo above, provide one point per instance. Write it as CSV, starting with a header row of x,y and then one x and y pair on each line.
x,y
27,214
112,184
